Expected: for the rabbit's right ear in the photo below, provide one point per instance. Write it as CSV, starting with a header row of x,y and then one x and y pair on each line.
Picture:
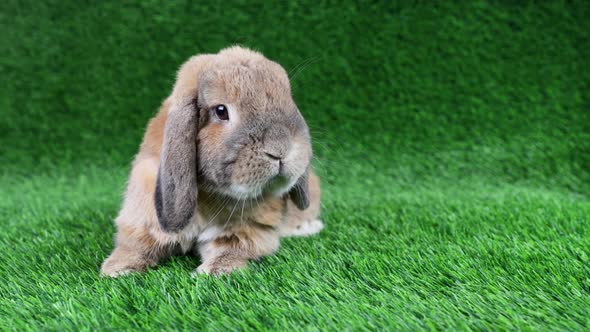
x,y
176,186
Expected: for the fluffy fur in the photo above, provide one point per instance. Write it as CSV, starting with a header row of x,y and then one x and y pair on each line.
x,y
227,189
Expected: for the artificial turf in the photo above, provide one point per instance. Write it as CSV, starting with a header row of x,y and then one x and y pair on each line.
x,y
453,141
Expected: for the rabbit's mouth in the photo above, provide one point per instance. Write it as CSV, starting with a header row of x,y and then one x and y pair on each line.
x,y
279,185
276,186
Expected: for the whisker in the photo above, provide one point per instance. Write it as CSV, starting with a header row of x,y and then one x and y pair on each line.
x,y
223,205
301,70
303,66
232,212
257,203
242,214
302,63
251,204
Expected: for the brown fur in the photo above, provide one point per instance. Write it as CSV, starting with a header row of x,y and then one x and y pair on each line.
x,y
225,227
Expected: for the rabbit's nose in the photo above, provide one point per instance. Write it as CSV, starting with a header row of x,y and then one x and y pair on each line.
x,y
276,143
274,155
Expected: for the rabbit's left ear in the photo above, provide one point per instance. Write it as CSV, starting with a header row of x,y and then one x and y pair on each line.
x,y
176,185
299,194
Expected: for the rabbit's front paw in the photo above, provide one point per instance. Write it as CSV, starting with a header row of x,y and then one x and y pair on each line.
x,y
122,262
116,266
220,266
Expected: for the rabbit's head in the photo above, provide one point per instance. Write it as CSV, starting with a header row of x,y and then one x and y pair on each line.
x,y
233,129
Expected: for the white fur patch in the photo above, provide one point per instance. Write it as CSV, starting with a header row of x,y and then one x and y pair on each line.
x,y
307,228
209,233
239,191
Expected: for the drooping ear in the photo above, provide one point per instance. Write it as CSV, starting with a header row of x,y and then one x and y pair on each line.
x,y
299,194
176,186
175,196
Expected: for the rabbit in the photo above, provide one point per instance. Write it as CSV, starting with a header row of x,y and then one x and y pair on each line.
x,y
224,170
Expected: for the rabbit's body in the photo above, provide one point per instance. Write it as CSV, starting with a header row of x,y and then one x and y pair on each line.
x,y
244,203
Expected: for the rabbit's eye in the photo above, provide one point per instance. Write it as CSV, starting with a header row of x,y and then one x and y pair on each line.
x,y
221,112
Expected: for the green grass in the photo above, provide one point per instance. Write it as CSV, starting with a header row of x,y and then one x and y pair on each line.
x,y
453,143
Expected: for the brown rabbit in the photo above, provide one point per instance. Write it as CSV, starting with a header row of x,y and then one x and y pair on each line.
x,y
224,168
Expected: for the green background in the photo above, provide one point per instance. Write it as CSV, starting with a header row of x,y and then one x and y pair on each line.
x,y
453,141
